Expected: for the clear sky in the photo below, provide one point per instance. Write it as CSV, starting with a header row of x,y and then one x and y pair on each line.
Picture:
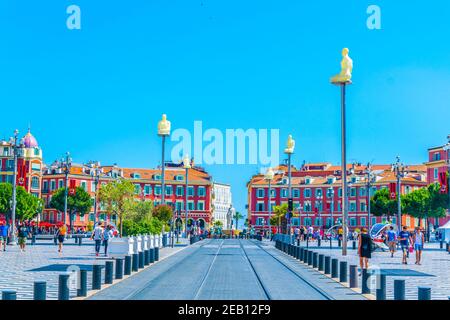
x,y
98,92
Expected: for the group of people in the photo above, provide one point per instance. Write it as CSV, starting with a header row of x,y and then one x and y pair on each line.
x,y
22,232
407,241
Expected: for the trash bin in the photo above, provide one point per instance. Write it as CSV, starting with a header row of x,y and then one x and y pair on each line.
x,y
164,240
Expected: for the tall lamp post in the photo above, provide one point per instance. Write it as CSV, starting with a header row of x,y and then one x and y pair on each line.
x,y
269,177
16,148
289,151
400,172
370,179
66,164
95,173
319,205
186,166
342,80
447,149
163,132
330,194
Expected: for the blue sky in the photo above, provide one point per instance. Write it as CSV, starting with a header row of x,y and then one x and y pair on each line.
x,y
99,91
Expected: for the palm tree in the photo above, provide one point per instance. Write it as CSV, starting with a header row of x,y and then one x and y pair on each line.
x,y
236,217
279,214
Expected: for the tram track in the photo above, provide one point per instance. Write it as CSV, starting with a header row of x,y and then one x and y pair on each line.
x,y
286,267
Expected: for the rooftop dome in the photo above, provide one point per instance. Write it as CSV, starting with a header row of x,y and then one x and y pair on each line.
x,y
29,140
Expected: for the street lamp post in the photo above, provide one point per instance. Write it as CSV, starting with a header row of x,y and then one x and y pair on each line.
x,y
95,173
343,79
330,192
66,164
186,166
289,151
447,148
400,172
16,149
269,177
163,132
319,205
370,179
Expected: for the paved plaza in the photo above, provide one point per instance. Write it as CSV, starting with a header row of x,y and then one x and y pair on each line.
x,y
434,271
229,269
43,262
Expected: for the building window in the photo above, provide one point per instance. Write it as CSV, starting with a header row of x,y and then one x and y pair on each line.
x,y
190,191
340,192
352,192
273,192
436,156
137,189
296,193
157,177
307,193
329,222
307,221
83,184
190,205
307,207
200,206
363,222
318,222
147,189
45,186
436,173
318,192
179,206
374,221
352,206
35,183
179,177
362,206
353,222
284,193
201,191
52,185
260,206
157,190
169,190
180,190
373,190
362,192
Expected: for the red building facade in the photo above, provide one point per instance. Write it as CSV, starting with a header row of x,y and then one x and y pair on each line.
x,y
314,204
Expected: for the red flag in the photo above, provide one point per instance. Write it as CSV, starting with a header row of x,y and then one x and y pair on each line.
x,y
72,187
21,174
443,182
393,190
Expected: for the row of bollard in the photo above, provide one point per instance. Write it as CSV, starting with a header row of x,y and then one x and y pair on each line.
x,y
348,274
123,266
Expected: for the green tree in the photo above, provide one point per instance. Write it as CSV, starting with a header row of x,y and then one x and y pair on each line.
x,y
116,196
27,205
279,215
139,210
218,224
80,202
382,204
237,216
163,212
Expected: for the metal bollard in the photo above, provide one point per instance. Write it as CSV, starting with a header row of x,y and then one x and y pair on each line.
x,y
364,281
146,258
310,257
33,239
343,271
127,268
82,290
301,254
63,287
353,276
152,255
96,277
319,241
315,262
327,265
339,243
334,268
321,264
399,289
424,293
381,287
354,245
441,244
119,268
9,295
157,254
141,259
40,290
135,262
80,241
305,256
109,266
297,252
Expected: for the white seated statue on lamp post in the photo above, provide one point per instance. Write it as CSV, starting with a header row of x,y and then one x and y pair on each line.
x,y
163,132
345,76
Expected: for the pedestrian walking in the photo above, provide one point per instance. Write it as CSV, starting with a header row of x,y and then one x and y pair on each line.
x,y
22,234
405,240
107,234
364,249
392,240
61,235
4,233
418,240
97,236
